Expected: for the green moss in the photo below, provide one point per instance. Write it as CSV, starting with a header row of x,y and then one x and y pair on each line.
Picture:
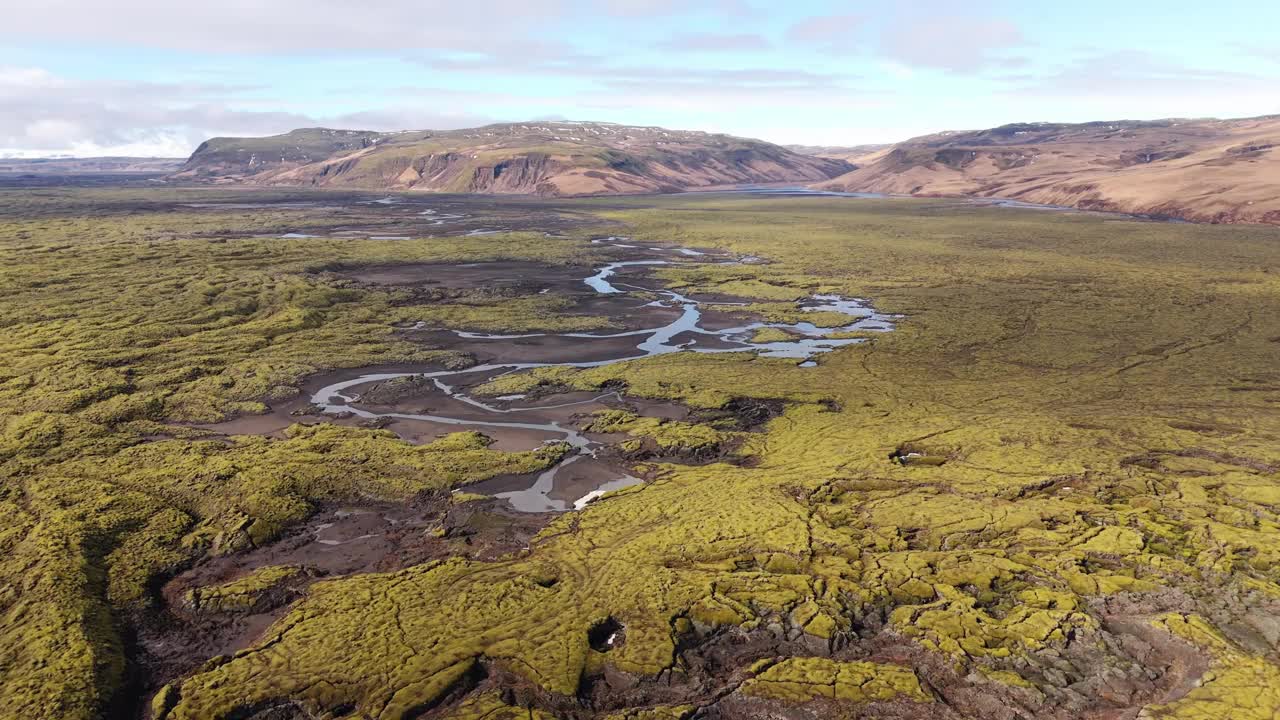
x,y
241,594
801,679
668,712
1103,392
489,706
787,312
115,329
163,702
669,436
466,497
533,314
1237,685
1006,677
771,335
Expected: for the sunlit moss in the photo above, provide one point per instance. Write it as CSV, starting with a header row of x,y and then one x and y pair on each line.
x,y
489,706
532,314
667,435
801,679
771,335
1238,685
241,594
1101,396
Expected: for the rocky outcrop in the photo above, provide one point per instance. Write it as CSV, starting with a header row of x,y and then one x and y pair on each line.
x,y
517,175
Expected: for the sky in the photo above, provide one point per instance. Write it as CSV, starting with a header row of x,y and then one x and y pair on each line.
x,y
156,77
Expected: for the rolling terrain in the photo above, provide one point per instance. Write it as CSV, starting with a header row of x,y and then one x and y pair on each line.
x,y
853,154
1220,171
545,158
232,425
88,166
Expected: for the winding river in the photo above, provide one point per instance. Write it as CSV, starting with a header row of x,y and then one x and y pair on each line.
x,y
809,341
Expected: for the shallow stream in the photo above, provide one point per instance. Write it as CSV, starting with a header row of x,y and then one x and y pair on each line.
x,y
684,333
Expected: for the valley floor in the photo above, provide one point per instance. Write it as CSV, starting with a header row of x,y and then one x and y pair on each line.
x,y
276,454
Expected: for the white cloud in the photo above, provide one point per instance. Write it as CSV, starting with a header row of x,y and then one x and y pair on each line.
x,y
1269,53
956,43
715,42
51,132
531,57
27,77
825,30
677,77
315,27
280,26
149,144
1131,72
1144,86
46,114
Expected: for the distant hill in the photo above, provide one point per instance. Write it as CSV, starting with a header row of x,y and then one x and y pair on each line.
x,y
855,154
545,158
1201,170
87,166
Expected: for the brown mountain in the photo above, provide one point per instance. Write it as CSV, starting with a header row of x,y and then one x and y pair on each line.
x,y
853,154
1201,170
546,158
88,166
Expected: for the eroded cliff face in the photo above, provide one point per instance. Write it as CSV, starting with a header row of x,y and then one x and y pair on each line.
x,y
1203,171
554,159
518,175
439,171
547,174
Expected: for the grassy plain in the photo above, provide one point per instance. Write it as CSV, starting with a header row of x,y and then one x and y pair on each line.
x,y
1106,394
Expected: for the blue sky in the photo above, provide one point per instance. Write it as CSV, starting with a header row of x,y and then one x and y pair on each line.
x,y
152,77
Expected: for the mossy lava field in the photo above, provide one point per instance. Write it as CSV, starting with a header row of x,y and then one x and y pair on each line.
x,y
301,454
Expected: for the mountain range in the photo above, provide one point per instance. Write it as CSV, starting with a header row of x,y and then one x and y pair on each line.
x,y
543,158
1221,171
90,165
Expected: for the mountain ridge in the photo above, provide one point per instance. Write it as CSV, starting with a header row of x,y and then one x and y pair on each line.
x,y
1202,170
553,158
89,165
854,154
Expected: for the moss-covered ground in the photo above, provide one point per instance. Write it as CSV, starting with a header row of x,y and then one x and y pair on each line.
x,y
1102,397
